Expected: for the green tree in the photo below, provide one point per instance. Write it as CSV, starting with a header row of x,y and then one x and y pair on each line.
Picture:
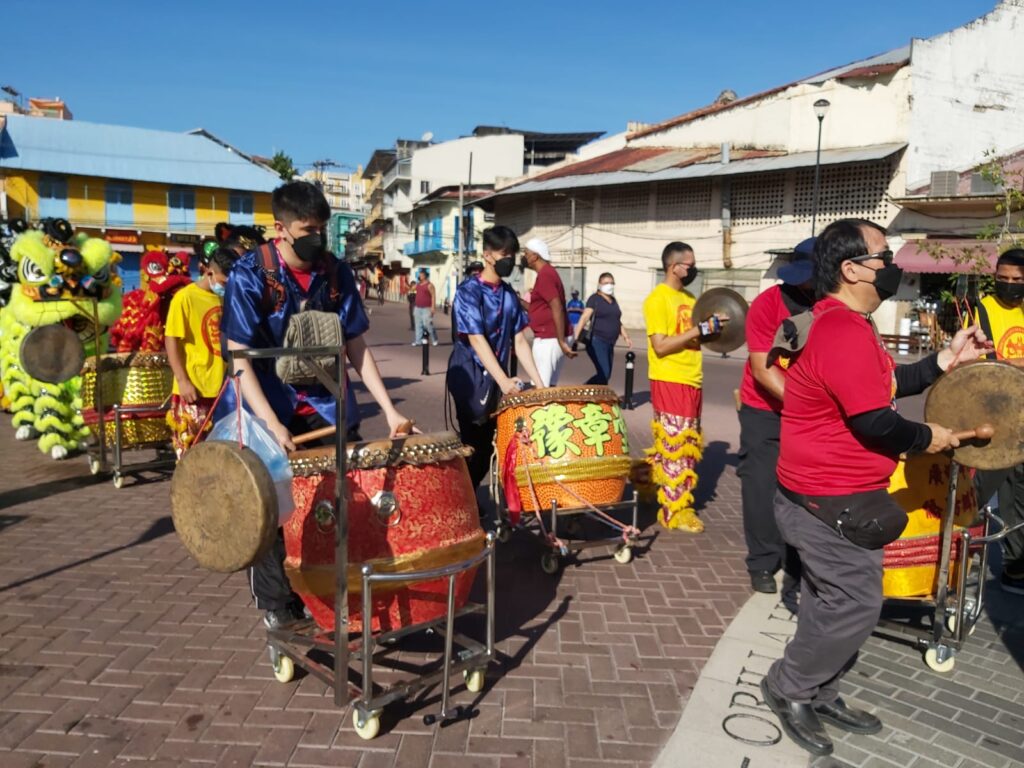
x,y
283,166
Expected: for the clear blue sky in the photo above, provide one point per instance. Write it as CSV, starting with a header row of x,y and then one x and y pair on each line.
x,y
338,79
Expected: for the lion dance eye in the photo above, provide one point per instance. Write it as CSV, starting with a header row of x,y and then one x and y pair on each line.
x,y
102,275
31,272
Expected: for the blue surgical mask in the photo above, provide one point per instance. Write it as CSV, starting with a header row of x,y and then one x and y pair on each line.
x,y
218,289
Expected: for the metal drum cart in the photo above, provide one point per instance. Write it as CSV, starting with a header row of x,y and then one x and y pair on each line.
x,y
986,393
355,646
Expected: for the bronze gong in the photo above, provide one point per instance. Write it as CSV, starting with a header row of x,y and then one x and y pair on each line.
x,y
984,392
52,353
723,301
224,505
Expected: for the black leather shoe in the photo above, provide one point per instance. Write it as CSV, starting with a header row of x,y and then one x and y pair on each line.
x,y
799,721
853,720
763,581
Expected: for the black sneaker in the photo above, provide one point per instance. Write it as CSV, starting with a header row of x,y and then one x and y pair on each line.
x,y
282,617
1014,584
763,581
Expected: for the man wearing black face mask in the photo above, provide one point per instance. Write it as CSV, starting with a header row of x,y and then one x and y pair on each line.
x,y
841,439
267,287
1002,319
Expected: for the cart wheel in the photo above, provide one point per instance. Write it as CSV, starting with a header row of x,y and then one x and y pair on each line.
x,y
549,563
951,625
370,727
94,466
931,658
474,680
504,534
118,481
624,554
284,669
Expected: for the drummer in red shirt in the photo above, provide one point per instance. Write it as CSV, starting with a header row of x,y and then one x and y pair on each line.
x,y
841,440
761,404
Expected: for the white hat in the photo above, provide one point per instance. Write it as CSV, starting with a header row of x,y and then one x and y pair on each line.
x,y
539,247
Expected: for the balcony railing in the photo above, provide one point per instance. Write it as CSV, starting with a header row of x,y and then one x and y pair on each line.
x,y
402,171
429,244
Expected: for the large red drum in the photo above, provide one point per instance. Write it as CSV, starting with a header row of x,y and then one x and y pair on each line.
x,y
411,507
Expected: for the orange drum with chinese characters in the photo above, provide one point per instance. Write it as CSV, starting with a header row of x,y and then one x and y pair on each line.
x,y
411,507
567,444
920,485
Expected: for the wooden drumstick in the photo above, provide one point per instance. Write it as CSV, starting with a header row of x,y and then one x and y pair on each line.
x,y
984,432
404,429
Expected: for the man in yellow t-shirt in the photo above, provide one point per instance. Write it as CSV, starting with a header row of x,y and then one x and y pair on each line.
x,y
1001,317
192,340
675,373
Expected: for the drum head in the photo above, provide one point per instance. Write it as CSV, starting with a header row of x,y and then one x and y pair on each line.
x,y
52,353
224,506
986,392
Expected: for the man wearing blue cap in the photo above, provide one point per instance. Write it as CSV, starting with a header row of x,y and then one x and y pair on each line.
x,y
761,404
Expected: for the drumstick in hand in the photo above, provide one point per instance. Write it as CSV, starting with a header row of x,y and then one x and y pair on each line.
x,y
984,432
316,434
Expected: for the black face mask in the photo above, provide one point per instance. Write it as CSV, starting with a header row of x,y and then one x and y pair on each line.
x,y
691,275
887,281
309,247
504,266
1009,293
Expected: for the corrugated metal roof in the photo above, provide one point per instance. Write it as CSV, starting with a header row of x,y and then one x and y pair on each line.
x,y
752,162
121,152
882,62
612,161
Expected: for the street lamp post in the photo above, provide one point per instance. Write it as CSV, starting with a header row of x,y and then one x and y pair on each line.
x,y
820,109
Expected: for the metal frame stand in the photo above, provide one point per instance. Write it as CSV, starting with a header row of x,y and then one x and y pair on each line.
x,y
551,558
292,644
954,609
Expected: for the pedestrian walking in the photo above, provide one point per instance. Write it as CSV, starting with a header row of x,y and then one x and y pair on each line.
x,y
604,316
548,319
423,310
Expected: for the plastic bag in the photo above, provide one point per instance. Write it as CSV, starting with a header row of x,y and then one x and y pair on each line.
x,y
259,439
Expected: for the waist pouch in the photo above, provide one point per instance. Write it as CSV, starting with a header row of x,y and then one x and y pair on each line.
x,y
310,328
870,519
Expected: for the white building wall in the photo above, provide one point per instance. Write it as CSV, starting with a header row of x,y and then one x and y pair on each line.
x,y
447,163
786,120
967,87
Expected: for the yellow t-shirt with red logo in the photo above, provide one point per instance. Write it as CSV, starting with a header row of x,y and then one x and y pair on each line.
x,y
1007,325
670,312
194,317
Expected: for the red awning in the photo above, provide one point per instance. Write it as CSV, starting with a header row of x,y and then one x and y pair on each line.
x,y
917,256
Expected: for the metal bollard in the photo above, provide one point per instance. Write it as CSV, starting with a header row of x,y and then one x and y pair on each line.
x,y
425,343
627,400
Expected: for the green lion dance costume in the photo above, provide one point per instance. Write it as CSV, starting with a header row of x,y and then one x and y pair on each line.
x,y
59,276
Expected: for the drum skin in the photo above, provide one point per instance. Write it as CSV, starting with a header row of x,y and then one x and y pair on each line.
x,y
577,436
920,485
136,379
437,524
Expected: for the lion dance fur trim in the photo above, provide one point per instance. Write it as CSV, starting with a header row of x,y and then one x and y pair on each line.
x,y
678,446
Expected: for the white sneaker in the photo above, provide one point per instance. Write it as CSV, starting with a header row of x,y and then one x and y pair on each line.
x,y
433,343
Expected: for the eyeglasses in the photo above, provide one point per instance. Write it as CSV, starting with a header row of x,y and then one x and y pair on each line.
x,y
885,256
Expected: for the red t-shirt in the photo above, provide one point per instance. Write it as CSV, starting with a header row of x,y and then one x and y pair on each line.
x,y
423,300
842,371
547,287
303,278
764,318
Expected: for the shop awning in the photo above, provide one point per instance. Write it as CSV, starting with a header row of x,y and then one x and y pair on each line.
x,y
917,256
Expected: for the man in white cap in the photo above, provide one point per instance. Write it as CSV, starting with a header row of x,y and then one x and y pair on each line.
x,y
547,313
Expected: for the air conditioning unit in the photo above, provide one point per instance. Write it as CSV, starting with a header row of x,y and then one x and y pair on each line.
x,y
489,218
944,183
982,186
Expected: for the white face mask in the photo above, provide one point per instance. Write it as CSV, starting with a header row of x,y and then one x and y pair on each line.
x,y
607,288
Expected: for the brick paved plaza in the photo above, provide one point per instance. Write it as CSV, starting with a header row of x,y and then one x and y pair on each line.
x,y
117,648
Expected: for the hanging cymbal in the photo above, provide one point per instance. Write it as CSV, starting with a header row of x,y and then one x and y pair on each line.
x,y
728,303
51,353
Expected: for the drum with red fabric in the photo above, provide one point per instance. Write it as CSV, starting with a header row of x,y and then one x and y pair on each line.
x,y
567,444
411,507
920,485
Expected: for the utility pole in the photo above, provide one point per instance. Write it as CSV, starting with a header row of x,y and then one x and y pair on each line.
x,y
572,243
320,166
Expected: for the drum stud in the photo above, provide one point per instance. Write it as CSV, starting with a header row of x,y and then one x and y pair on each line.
x,y
387,507
323,513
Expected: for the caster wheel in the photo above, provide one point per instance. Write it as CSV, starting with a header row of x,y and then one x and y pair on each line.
x,y
549,563
119,481
931,658
624,555
284,669
504,534
951,625
474,680
94,466
370,727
